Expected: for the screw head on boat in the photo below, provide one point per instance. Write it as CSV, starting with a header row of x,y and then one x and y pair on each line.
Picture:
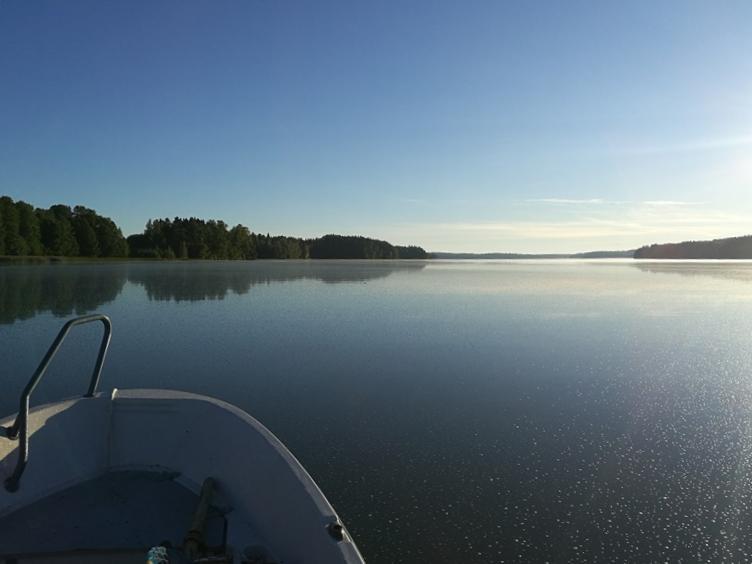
x,y
336,530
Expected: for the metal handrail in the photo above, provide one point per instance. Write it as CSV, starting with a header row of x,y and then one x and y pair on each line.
x,y
20,425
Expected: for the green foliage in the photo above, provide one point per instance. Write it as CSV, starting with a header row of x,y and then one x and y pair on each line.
x,y
13,242
411,252
111,240
140,246
58,236
192,238
351,247
2,232
198,239
57,231
29,228
86,237
242,244
80,231
280,247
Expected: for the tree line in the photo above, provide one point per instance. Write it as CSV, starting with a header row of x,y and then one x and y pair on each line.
x,y
194,238
80,231
728,248
58,231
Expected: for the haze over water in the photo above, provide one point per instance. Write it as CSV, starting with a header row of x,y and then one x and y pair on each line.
x,y
451,411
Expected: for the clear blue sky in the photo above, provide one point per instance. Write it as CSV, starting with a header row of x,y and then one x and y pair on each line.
x,y
464,125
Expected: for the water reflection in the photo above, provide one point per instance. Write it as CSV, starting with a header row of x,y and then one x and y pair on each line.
x,y
577,411
196,281
28,290
727,270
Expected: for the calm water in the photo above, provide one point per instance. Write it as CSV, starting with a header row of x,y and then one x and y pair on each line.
x,y
451,411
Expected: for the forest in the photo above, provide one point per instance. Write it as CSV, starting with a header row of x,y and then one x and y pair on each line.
x,y
728,248
81,232
193,238
57,231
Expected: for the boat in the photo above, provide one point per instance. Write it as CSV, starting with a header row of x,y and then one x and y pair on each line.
x,y
155,475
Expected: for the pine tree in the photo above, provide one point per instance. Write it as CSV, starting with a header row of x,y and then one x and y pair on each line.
x,y
86,237
14,243
29,228
2,233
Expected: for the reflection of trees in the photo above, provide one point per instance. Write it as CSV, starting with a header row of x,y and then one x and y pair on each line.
x,y
724,270
64,289
189,281
194,281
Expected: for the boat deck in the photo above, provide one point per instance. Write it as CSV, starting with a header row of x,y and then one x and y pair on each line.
x,y
114,518
263,503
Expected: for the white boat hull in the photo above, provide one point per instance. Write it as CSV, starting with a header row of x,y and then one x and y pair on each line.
x,y
271,499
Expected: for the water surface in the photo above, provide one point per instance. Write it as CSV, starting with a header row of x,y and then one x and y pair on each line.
x,y
451,411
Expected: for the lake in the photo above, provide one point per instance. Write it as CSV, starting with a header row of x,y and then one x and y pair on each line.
x,y
469,412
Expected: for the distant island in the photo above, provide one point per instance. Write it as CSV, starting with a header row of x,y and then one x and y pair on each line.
x,y
62,231
728,248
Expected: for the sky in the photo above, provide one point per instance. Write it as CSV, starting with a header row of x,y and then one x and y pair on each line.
x,y
518,126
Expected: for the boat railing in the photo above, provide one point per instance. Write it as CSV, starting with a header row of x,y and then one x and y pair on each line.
x,y
19,429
